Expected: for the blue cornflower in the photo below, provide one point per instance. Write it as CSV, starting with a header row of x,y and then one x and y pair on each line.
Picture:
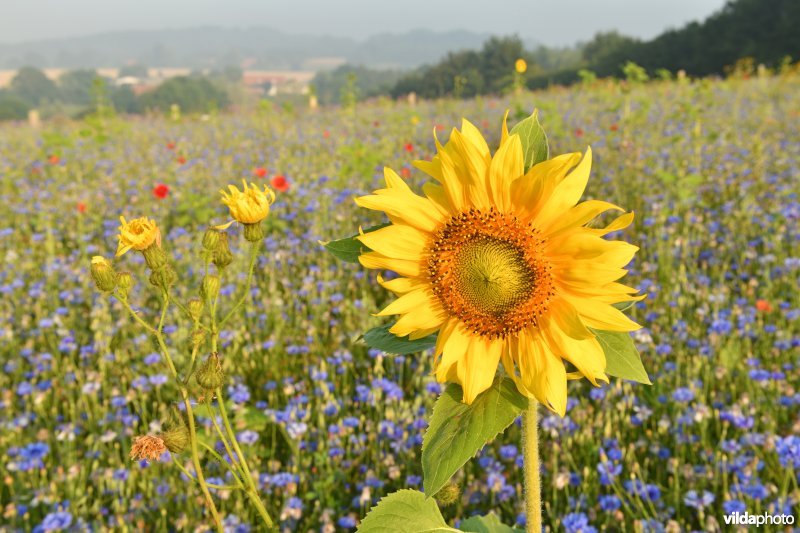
x,y
577,523
346,522
609,503
683,394
57,521
698,501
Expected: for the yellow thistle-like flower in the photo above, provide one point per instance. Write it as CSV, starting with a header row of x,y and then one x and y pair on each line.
x,y
149,447
138,234
521,66
249,206
501,264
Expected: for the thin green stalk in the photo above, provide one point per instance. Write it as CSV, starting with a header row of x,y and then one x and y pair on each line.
x,y
236,474
252,489
212,485
530,450
253,256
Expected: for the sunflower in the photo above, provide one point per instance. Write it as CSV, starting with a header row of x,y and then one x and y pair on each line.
x,y
501,263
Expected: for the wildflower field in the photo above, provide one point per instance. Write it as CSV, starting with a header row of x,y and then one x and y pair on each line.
x,y
328,425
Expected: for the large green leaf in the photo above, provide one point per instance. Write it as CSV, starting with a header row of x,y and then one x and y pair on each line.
x,y
458,431
350,248
533,138
381,339
489,523
622,357
405,511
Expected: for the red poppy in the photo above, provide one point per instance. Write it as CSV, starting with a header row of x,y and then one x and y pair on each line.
x,y
260,172
376,123
326,134
181,160
160,191
614,127
578,132
763,306
170,146
409,147
81,207
405,172
279,183
53,159
439,127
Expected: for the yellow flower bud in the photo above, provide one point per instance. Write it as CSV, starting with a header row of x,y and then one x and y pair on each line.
x,y
195,306
211,239
222,253
209,289
250,205
125,282
521,66
103,274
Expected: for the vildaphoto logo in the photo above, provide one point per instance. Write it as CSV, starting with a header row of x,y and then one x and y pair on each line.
x,y
747,519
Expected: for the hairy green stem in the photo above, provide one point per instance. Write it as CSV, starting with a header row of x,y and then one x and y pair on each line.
x,y
530,450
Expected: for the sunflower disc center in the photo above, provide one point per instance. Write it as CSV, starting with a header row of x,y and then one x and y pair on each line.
x,y
491,274
487,268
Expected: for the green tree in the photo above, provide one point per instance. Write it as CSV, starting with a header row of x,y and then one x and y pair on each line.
x,y
191,94
12,107
31,85
75,87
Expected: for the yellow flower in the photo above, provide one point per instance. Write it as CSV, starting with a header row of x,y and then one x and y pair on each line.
x,y
249,206
502,265
521,66
138,234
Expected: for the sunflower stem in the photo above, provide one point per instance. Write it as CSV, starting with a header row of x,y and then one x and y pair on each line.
x,y
530,450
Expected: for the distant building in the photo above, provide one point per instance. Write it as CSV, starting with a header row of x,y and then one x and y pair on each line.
x,y
274,82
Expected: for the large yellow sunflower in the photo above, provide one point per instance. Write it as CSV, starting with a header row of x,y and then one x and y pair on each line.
x,y
501,264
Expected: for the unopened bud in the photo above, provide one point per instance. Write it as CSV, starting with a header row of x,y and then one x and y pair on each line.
x,y
210,375
164,277
210,239
253,232
448,494
195,306
103,274
222,253
209,289
176,434
198,336
154,256
125,283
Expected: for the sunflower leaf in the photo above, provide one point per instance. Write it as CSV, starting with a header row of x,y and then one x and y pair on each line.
x,y
382,339
533,138
489,523
622,357
458,431
349,248
405,511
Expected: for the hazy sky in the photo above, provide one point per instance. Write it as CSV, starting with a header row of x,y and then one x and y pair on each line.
x,y
552,22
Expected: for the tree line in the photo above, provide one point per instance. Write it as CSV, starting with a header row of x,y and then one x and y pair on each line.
x,y
79,91
764,30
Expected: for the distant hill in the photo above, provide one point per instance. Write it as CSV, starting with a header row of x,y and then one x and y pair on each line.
x,y
214,47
